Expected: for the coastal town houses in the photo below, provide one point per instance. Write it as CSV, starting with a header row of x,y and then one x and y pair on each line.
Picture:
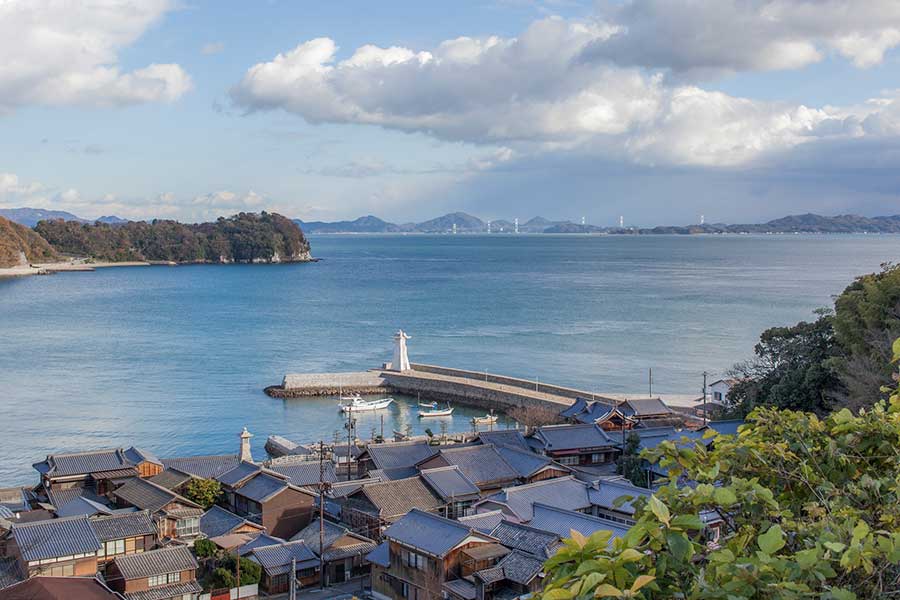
x,y
217,522
618,415
394,460
162,574
483,465
583,446
176,517
123,534
457,491
342,551
64,547
283,562
424,551
93,474
266,497
372,507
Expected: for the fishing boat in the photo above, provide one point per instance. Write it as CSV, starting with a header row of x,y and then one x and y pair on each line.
x,y
486,419
351,398
360,405
437,412
421,404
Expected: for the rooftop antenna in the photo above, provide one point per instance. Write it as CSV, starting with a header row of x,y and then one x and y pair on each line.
x,y
516,221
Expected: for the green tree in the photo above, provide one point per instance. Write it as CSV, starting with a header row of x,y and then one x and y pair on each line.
x,y
205,492
220,578
866,321
204,548
251,572
630,463
792,369
809,508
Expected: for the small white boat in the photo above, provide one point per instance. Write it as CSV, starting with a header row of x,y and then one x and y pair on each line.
x,y
351,398
437,412
360,405
427,404
485,420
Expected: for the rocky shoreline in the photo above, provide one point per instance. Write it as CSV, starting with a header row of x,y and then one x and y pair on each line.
x,y
279,391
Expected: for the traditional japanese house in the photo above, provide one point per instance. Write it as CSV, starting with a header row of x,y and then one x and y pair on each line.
x,y
343,551
276,562
424,552
370,508
457,491
217,522
161,574
204,467
173,480
531,466
64,547
482,464
123,534
584,445
267,498
100,471
59,588
175,516
516,503
394,456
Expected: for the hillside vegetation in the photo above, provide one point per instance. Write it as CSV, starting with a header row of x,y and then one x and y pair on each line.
x,y
17,240
245,237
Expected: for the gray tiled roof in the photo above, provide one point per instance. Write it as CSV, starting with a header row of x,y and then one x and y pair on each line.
x,y
504,437
206,467
259,541
381,555
82,506
651,437
217,521
262,487
171,479
577,407
241,472
450,483
562,521
352,545
277,559
607,492
302,473
729,427
137,455
341,489
427,532
484,522
526,539
395,498
146,495
55,537
393,473
121,526
521,568
156,562
562,492
79,463
310,534
571,437
525,462
482,464
165,592
461,588
399,454
59,498
642,407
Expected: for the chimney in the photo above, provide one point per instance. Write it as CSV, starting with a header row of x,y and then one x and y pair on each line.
x,y
246,455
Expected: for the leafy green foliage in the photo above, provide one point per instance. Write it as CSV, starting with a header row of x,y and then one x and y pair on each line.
x,y
205,548
630,462
807,507
220,578
245,237
251,572
204,492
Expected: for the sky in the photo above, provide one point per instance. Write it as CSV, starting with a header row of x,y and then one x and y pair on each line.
x,y
655,110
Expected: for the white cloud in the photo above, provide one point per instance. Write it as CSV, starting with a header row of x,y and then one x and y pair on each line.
x,y
58,52
537,93
741,35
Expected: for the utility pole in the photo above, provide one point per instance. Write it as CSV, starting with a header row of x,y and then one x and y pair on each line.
x,y
324,487
651,381
382,428
351,424
293,590
705,374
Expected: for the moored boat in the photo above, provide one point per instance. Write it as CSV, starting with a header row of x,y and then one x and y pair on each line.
x,y
485,420
360,405
437,412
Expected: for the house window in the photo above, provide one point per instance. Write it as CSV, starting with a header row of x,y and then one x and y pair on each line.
x,y
567,460
717,396
166,578
114,547
188,526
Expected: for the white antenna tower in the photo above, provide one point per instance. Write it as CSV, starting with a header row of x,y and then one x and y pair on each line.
x,y
489,226
516,221
702,219
454,229
582,221
621,222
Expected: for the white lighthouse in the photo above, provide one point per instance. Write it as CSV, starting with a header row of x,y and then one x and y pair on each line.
x,y
401,360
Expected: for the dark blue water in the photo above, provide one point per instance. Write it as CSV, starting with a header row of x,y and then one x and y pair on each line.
x,y
175,359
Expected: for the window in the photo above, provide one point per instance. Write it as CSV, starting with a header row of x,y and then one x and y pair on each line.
x,y
157,580
414,560
114,547
567,460
717,396
188,526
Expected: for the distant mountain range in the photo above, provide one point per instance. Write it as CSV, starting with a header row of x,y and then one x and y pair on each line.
x,y
465,223
30,217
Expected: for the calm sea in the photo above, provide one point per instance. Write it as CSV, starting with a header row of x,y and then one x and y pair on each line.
x,y
175,359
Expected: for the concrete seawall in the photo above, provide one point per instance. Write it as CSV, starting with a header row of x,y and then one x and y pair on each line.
x,y
435,383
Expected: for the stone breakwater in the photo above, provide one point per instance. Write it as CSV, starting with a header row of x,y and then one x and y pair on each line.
x,y
434,383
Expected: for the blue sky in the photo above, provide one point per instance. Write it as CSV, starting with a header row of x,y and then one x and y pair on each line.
x,y
661,110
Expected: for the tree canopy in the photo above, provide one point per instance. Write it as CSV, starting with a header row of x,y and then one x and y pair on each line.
x,y
809,508
245,237
204,492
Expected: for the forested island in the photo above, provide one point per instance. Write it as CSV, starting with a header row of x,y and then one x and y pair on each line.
x,y
242,238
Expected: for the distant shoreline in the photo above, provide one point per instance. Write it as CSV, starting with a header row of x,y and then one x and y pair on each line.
x,y
82,267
